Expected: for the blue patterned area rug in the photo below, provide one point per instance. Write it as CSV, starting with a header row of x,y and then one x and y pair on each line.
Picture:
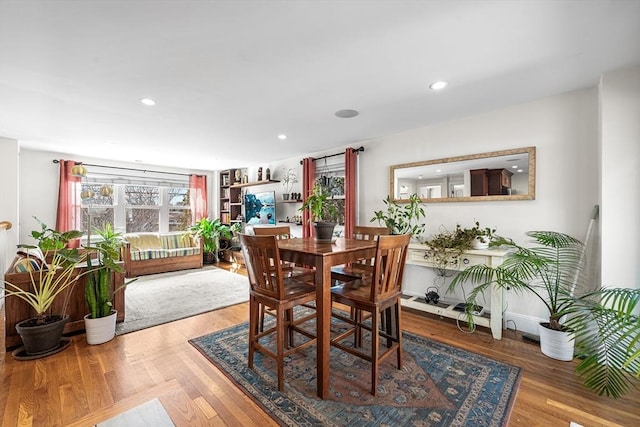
x,y
439,385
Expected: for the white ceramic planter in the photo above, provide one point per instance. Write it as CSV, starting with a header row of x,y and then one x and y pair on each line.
x,y
556,344
100,330
479,244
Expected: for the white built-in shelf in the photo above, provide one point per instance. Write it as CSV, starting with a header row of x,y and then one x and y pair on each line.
x,y
250,184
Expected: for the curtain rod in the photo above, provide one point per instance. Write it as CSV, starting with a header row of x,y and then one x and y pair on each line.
x,y
128,169
355,150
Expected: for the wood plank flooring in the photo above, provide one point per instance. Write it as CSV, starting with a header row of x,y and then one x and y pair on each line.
x,y
84,384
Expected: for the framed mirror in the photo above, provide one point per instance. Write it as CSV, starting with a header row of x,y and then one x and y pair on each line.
x,y
496,175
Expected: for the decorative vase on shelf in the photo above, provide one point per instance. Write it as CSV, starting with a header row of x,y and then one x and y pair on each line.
x,y
285,196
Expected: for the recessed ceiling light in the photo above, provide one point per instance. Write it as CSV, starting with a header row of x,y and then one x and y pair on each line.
x,y
346,114
520,170
148,102
438,170
282,137
514,167
438,85
419,176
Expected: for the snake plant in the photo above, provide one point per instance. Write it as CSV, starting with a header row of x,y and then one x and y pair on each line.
x,y
99,288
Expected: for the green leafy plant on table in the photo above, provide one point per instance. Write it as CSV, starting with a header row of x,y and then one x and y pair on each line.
x,y
322,212
402,219
604,322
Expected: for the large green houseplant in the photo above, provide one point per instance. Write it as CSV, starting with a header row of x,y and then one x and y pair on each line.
x,y
50,240
402,219
603,323
42,334
210,231
100,323
322,212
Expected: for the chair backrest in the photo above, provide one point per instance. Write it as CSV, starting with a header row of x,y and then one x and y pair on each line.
x,y
262,261
388,268
361,232
280,231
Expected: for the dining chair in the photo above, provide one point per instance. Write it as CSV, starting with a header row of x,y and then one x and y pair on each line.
x,y
381,297
305,274
363,268
269,287
360,269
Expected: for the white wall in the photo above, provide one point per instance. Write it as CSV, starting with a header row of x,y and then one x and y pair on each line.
x,y
620,168
9,206
564,130
38,188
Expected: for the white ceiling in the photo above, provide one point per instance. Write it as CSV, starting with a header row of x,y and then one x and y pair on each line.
x,y
229,76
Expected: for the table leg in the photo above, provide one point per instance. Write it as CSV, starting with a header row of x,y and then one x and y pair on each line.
x,y
323,305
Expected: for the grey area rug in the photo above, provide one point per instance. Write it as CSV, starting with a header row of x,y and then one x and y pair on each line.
x,y
160,298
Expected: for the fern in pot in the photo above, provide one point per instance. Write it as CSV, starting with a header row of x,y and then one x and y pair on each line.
x,y
603,324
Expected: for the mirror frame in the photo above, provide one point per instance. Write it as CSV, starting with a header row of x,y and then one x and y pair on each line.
x,y
531,194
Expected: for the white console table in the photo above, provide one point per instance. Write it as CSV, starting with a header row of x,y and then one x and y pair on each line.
x,y
418,254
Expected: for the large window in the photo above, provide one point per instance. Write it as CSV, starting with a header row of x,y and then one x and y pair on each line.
x,y
133,208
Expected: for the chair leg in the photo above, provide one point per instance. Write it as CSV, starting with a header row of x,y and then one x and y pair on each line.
x,y
261,322
289,323
375,342
399,334
280,347
357,337
254,307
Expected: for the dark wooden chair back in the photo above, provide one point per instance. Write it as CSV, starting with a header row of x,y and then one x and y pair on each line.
x,y
280,231
388,269
262,261
363,232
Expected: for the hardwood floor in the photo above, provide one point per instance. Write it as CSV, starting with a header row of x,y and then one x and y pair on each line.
x,y
86,384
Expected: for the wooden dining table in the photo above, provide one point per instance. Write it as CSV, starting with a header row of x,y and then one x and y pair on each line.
x,y
323,256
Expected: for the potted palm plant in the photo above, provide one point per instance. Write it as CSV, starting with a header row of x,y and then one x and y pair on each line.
x,y
210,232
100,323
602,323
322,212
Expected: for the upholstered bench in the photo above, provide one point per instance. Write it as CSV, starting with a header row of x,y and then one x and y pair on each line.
x,y
149,253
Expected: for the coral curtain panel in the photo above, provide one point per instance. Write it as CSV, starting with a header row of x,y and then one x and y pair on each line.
x,y
308,179
350,190
68,215
198,197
